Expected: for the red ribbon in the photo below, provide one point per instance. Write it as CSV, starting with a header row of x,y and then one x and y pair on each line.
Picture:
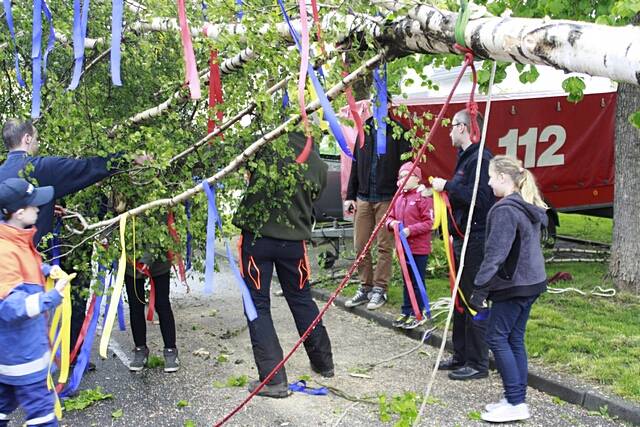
x,y
316,19
302,80
408,283
215,92
182,272
144,269
192,77
472,106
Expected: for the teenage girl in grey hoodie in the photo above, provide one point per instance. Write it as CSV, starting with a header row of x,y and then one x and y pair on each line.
x,y
512,276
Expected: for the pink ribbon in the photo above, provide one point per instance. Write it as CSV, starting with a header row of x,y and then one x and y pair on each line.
x,y
189,58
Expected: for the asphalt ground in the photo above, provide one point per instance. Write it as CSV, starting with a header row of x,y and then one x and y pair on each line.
x,y
215,325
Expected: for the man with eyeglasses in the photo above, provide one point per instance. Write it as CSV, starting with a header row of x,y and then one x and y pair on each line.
x,y
470,359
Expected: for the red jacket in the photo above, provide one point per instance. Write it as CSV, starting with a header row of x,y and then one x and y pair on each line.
x,y
415,211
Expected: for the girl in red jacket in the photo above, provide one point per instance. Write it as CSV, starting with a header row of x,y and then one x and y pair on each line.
x,y
415,212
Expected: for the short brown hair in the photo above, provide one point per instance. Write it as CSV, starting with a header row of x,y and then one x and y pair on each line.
x,y
14,130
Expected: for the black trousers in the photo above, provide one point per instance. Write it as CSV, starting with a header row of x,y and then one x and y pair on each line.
x,y
258,258
469,335
137,315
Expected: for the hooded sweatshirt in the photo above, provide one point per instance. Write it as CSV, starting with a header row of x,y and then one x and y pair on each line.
x,y
24,358
513,264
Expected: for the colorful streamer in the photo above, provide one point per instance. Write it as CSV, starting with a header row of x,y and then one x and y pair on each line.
x,y
36,59
215,92
116,38
187,210
414,268
80,21
192,77
9,18
380,108
405,273
214,219
211,239
117,291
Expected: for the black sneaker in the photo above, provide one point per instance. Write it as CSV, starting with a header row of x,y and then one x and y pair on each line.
x,y
400,320
276,391
378,299
361,297
327,373
171,361
140,357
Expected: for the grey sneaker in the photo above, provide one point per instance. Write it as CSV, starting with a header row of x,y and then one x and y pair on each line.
x,y
378,298
140,356
171,361
361,297
277,391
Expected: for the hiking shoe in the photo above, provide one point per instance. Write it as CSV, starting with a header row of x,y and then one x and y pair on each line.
x,y
378,299
171,361
491,406
276,391
327,373
412,322
361,297
140,357
400,321
507,413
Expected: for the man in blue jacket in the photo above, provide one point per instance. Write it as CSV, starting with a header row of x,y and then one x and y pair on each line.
x,y
470,359
66,175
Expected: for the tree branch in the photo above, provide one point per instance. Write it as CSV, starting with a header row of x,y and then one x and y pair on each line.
x,y
247,153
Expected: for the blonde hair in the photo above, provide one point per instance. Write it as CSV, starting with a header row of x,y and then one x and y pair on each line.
x,y
524,180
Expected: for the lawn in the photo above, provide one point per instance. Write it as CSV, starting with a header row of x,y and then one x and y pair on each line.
x,y
591,337
586,227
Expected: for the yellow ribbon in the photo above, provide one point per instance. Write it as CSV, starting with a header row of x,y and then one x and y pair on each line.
x,y
60,331
116,291
441,220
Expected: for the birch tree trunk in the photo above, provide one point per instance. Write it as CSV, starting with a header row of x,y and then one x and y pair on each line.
x,y
624,265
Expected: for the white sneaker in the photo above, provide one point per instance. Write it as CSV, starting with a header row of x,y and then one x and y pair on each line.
x,y
506,413
491,406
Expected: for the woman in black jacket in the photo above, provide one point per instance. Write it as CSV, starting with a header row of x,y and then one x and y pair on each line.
x,y
512,276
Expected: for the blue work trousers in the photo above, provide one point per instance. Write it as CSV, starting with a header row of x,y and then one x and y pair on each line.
x,y
36,401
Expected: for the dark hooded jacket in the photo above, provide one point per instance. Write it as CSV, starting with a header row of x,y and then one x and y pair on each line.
x,y
513,264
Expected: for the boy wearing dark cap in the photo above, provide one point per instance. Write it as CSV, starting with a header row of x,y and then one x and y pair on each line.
x,y
24,358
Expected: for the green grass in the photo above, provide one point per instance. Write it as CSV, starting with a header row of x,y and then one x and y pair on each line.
x,y
594,338
586,227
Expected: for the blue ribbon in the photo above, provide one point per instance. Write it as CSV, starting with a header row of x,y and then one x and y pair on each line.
x,y
9,17
116,38
214,218
80,18
36,58
187,210
301,386
414,268
84,356
51,40
240,13
55,244
380,108
285,99
121,314
204,10
329,114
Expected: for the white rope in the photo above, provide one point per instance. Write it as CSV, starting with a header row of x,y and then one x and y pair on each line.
x,y
454,291
598,291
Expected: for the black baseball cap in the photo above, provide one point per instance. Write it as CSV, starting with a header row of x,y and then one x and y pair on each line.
x,y
17,193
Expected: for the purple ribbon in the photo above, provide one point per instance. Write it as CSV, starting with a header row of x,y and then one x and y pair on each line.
x,y
214,219
239,13
116,38
285,99
380,108
9,17
327,109
301,386
80,18
187,210
36,58
414,268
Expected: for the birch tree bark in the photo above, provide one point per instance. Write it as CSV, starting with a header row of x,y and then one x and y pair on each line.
x,y
624,265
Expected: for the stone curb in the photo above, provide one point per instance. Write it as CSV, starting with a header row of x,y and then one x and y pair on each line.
x,y
562,388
